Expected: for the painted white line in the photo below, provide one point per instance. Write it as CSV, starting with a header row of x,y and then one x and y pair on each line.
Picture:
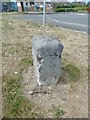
x,y
67,22
80,14
84,32
75,24
53,19
81,31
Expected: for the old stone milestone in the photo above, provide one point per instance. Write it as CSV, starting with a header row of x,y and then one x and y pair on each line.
x,y
47,59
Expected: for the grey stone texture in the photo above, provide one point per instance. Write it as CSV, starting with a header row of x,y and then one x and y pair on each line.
x,y
47,59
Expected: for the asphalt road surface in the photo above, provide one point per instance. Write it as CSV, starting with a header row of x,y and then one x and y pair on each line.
x,y
75,21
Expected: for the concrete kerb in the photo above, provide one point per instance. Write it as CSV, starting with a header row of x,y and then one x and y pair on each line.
x,y
39,12
51,12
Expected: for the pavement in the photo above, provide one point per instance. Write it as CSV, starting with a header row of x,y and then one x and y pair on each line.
x,y
75,21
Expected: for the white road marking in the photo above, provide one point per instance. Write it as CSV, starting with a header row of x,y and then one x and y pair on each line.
x,y
75,24
67,22
81,31
80,14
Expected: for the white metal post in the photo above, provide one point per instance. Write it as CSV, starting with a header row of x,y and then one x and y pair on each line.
x,y
44,13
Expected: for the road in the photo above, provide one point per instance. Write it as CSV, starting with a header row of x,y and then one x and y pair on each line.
x,y
76,21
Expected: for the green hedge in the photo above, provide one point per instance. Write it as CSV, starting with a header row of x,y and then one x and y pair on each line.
x,y
69,9
60,10
64,10
80,9
56,5
76,9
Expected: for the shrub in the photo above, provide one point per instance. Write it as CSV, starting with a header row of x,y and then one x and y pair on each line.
x,y
60,10
75,5
64,10
70,9
80,9
56,5
76,9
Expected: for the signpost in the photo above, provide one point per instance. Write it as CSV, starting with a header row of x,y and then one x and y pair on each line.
x,y
44,13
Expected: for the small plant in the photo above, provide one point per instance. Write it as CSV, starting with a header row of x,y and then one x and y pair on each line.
x,y
22,26
58,111
24,63
51,25
35,24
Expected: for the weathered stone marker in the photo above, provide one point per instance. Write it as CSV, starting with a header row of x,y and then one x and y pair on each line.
x,y
47,59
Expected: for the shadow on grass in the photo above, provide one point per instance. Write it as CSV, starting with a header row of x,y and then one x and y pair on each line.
x,y
70,73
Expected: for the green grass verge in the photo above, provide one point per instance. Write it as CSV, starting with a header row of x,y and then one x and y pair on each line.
x,y
76,9
15,104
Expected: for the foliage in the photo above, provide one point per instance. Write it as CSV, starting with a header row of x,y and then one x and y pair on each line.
x,y
76,9
69,7
14,103
58,111
60,10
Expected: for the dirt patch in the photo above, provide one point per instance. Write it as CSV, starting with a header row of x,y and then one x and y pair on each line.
x,y
68,98
64,94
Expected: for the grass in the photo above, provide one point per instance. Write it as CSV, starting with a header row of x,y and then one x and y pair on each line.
x,y
15,104
8,27
58,112
72,70
25,62
16,53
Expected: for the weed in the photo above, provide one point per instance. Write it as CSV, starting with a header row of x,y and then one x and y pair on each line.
x,y
33,24
58,111
25,62
50,25
7,27
22,26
